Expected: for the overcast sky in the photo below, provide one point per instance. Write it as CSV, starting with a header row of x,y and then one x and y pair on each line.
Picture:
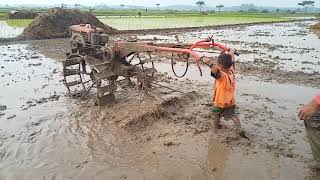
x,y
277,3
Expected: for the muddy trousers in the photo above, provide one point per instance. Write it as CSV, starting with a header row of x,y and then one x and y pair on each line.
x,y
313,132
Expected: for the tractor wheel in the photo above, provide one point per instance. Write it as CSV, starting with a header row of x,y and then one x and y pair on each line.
x,y
77,41
72,69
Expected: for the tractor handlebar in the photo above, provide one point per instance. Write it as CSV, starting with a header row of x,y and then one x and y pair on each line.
x,y
209,42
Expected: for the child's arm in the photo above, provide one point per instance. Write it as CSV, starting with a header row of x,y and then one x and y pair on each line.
x,y
232,52
215,72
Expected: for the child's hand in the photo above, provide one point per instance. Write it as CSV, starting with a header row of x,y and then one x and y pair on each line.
x,y
309,110
207,61
232,51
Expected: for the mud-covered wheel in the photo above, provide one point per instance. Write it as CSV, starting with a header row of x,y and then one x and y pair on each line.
x,y
73,73
106,86
146,69
77,41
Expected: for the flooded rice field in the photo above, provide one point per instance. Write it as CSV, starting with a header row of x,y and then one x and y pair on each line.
x,y
139,23
284,46
45,134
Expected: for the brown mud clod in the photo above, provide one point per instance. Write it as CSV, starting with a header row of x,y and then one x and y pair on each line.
x,y
55,24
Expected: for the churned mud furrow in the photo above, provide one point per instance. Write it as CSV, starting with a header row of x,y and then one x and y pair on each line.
x,y
162,110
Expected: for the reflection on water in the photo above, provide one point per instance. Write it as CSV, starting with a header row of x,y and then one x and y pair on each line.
x,y
7,31
285,46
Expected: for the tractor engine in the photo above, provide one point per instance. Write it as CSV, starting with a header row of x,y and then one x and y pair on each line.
x,y
85,35
95,62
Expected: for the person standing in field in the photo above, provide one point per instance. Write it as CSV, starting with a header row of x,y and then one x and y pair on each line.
x,y
224,104
310,114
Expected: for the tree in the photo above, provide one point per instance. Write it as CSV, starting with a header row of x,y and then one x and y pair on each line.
x,y
306,4
200,4
277,10
219,7
158,5
90,10
122,5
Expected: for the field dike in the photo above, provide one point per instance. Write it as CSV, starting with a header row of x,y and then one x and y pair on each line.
x,y
165,109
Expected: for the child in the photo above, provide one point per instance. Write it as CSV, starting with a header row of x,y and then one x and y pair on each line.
x,y
224,90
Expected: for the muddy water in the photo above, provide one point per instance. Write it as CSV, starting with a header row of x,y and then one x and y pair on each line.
x,y
46,135
269,114
55,138
285,46
7,31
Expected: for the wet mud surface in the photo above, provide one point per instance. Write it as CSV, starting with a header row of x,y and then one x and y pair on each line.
x,y
281,52
284,52
164,134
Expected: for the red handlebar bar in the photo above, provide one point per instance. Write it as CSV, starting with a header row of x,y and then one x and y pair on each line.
x,y
199,44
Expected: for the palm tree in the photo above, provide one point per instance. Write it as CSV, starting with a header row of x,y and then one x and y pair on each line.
x,y
200,4
219,7
158,5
